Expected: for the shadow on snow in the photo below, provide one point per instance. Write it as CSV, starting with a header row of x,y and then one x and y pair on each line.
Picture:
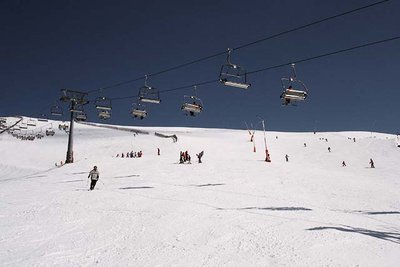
x,y
136,187
388,236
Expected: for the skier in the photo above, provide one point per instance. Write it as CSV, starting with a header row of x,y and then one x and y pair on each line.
x,y
181,156
287,157
371,162
158,151
305,145
200,155
94,176
329,149
344,164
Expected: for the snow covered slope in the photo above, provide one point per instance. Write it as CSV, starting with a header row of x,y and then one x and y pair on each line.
x,y
233,209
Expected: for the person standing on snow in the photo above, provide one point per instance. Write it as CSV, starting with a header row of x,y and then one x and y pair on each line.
x,y
287,157
344,164
371,162
94,176
200,155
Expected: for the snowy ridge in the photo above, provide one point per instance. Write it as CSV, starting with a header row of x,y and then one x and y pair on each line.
x,y
233,209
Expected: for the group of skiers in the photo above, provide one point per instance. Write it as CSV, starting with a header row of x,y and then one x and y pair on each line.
x,y
184,157
131,154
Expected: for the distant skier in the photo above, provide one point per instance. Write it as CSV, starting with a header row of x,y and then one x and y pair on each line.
x,y
329,149
344,164
94,176
158,151
200,155
354,139
287,158
305,145
371,162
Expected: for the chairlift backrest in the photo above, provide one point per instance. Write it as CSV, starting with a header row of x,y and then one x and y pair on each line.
x,y
103,103
149,95
31,122
233,75
56,110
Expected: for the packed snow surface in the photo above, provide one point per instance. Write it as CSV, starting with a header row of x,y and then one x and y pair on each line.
x,y
233,209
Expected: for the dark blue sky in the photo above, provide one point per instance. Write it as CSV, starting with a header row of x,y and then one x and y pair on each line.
x,y
86,45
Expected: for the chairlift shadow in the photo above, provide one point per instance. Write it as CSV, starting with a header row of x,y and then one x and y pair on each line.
x,y
381,212
136,187
204,185
72,181
387,236
277,208
125,176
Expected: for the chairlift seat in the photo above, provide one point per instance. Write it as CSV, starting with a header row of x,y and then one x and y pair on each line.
x,y
138,113
104,114
294,94
150,100
103,107
235,84
81,117
192,107
50,132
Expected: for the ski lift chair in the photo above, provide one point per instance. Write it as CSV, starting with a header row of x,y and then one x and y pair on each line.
x,y
104,114
138,111
39,135
42,118
103,106
81,116
293,89
56,110
31,122
103,103
192,105
23,125
50,132
233,75
149,94
31,136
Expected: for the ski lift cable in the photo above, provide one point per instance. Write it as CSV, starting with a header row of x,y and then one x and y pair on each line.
x,y
310,24
241,46
274,67
325,55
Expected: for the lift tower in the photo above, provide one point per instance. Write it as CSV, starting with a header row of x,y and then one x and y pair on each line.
x,y
77,101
